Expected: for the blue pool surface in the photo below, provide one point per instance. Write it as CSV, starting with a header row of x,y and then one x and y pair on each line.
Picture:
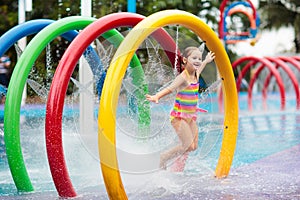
x,y
265,166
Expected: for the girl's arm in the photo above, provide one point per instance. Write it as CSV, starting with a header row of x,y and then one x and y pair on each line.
x,y
157,96
209,57
178,83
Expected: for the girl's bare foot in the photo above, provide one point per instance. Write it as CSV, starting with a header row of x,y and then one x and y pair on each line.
x,y
163,162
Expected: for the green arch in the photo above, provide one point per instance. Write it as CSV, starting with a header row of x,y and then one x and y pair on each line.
x,y
16,87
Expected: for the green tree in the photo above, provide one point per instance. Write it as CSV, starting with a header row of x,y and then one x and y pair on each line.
x,y
206,10
281,13
8,19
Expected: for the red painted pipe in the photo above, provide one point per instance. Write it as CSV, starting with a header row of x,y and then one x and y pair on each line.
x,y
291,75
61,79
251,84
267,64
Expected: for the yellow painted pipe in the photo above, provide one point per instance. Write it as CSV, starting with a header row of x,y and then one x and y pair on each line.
x,y
113,81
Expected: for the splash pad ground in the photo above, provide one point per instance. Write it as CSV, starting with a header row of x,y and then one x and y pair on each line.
x,y
265,165
161,185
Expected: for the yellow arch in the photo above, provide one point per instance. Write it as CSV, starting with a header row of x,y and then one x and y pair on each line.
x,y
113,81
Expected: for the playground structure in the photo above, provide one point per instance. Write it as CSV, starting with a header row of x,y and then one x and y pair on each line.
x,y
257,64
64,73
110,88
245,7
277,68
289,65
91,29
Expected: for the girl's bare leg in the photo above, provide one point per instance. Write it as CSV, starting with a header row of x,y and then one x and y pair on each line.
x,y
170,154
195,131
186,137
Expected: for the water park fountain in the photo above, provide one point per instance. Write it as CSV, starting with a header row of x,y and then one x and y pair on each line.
x,y
118,160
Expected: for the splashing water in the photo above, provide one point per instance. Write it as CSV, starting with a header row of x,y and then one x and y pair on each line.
x,y
83,88
49,66
213,87
40,90
104,54
18,50
202,47
3,90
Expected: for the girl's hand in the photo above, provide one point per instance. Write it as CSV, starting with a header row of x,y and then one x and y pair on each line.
x,y
152,98
210,57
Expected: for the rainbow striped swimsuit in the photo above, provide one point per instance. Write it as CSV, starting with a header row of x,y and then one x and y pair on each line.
x,y
186,102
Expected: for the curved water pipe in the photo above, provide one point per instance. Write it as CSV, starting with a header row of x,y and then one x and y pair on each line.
x,y
12,138
34,26
278,63
251,62
254,23
291,60
238,86
61,79
9,38
264,63
222,19
291,75
113,81
110,34
296,58
251,84
64,27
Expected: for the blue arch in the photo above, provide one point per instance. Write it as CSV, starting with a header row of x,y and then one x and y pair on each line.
x,y
34,26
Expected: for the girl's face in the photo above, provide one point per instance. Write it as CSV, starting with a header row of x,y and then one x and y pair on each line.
x,y
194,60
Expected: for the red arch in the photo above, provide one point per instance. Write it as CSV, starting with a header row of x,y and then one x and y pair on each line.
x,y
290,73
238,83
296,57
291,60
60,82
243,74
221,22
278,63
265,63
251,84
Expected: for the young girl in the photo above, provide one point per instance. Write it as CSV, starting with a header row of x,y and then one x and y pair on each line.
x,y
183,115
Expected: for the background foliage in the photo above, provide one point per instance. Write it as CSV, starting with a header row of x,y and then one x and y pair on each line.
x,y
207,10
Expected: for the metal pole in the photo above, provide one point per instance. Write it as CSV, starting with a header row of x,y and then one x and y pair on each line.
x,y
22,42
131,6
86,104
